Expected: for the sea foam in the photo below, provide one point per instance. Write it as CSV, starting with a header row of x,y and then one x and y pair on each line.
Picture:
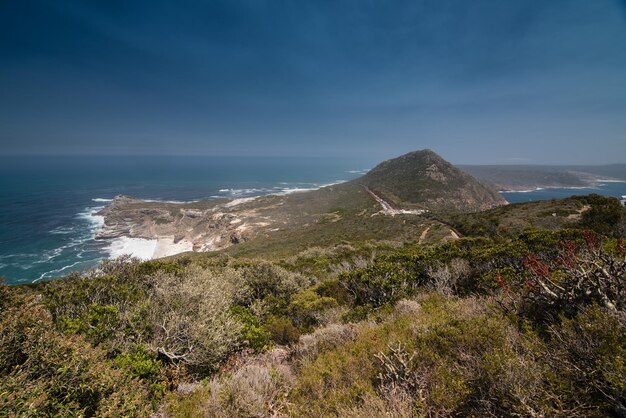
x,y
140,248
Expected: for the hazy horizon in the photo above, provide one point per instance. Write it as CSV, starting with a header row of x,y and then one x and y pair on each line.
x,y
372,160
486,82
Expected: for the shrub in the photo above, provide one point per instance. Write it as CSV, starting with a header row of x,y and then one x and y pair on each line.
x,y
449,358
396,404
381,283
252,391
578,276
282,330
191,318
322,339
605,216
307,308
587,354
143,364
254,334
265,279
446,278
334,289
46,374
407,307
98,323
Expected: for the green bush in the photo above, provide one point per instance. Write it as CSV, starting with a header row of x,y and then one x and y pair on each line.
x,y
587,355
282,330
143,364
262,280
307,307
254,334
606,215
381,283
47,374
98,323
333,288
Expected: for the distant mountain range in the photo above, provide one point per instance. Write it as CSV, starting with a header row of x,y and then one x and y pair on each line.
x,y
525,177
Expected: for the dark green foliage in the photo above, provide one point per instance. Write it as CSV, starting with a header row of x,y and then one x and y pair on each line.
x,y
606,216
275,306
381,283
254,334
47,374
143,364
307,307
334,289
266,279
282,330
140,363
150,267
601,214
98,323
461,358
588,357
109,310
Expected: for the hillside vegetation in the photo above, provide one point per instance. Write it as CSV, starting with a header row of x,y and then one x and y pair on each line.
x,y
423,179
524,315
328,304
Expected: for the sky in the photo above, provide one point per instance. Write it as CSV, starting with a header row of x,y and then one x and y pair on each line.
x,y
480,82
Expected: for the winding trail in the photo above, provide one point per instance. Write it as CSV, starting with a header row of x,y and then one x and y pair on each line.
x,y
423,235
389,210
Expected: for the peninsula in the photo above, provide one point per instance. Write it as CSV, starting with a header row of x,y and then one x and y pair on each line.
x,y
410,187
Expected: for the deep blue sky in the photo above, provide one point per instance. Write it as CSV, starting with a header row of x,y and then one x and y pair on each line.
x,y
497,81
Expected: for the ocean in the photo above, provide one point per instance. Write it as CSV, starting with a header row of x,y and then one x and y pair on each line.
x,y
48,205
606,188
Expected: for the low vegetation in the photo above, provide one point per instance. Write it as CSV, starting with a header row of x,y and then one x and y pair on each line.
x,y
508,320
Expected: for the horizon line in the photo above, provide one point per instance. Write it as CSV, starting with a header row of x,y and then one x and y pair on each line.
x,y
133,155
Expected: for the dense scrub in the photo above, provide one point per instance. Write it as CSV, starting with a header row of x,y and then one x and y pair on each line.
x,y
528,324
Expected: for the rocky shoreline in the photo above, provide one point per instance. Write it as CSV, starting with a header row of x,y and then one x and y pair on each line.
x,y
196,226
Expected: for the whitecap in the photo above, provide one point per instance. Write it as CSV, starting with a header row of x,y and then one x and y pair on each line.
x,y
239,201
56,272
91,216
140,248
174,202
62,230
244,192
291,190
101,200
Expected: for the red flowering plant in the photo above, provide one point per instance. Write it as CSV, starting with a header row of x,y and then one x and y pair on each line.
x,y
581,273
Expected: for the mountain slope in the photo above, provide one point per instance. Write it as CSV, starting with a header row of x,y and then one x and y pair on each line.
x,y
424,179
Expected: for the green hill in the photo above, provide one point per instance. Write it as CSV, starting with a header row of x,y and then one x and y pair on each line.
x,y
423,179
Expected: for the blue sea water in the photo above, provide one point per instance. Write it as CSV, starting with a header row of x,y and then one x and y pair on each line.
x,y
613,189
48,204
